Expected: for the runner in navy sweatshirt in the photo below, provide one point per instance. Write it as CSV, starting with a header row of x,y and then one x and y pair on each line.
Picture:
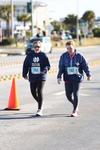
x,y
35,67
71,66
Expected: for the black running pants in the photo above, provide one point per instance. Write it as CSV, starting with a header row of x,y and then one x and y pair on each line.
x,y
36,88
71,90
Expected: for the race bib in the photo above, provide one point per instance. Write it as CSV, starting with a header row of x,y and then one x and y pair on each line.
x,y
35,70
72,70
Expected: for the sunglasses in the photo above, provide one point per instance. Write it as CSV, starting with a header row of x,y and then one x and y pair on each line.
x,y
37,46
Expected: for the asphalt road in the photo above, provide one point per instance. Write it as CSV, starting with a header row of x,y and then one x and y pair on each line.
x,y
55,130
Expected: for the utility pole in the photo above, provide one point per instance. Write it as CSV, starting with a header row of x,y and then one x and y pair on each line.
x,y
0,32
12,19
32,17
77,20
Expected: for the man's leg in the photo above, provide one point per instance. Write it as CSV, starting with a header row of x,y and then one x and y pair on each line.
x,y
33,88
40,93
68,91
75,95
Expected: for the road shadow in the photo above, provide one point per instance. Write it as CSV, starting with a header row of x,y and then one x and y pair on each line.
x,y
15,116
19,116
52,116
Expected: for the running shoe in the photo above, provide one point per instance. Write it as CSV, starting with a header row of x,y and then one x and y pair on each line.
x,y
39,112
75,114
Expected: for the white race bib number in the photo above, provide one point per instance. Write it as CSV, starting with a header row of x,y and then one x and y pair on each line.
x,y
72,70
35,70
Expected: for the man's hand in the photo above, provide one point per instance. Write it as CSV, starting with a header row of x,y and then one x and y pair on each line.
x,y
44,71
26,78
88,78
59,80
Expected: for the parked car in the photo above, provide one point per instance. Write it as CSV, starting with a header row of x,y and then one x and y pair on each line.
x,y
66,37
46,44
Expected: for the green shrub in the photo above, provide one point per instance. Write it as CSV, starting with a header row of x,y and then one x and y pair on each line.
x,y
8,41
28,34
96,32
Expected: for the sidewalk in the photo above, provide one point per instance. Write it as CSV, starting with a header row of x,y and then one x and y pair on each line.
x,y
8,50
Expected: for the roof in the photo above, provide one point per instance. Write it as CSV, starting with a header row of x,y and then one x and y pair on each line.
x,y
22,2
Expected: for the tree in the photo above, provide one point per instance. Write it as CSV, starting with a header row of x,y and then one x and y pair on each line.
x,y
57,25
89,16
70,21
5,13
24,18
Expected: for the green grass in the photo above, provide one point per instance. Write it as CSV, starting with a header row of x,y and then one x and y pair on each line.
x,y
61,44
85,42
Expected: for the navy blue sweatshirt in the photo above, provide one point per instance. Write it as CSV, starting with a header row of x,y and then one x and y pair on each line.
x,y
72,68
36,65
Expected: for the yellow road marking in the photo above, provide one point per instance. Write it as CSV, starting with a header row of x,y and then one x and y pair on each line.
x,y
52,71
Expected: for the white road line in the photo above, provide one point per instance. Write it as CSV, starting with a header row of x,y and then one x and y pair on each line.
x,y
83,94
63,92
59,93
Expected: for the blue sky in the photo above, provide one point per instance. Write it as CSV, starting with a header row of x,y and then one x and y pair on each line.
x,y
61,8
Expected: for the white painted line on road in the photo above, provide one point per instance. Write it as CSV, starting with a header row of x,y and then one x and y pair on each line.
x,y
63,92
59,93
82,94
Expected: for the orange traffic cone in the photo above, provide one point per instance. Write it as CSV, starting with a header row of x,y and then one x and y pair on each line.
x,y
13,103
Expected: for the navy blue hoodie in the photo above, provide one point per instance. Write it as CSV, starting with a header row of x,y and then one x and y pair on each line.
x,y
68,64
36,65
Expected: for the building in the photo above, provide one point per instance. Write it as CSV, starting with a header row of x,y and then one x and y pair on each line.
x,y
40,14
97,23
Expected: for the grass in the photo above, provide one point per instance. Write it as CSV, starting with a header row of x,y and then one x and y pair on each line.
x,y
85,42
61,44
90,41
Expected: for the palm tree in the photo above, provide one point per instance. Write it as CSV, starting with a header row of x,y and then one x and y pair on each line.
x,y
5,14
89,16
57,25
24,18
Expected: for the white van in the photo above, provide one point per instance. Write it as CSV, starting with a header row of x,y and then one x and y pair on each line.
x,y
46,44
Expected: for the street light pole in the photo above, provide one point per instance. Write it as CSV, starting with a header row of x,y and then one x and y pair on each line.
x,y
12,19
32,17
77,20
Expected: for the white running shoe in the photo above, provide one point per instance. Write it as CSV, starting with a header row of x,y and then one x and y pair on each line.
x,y
75,114
39,112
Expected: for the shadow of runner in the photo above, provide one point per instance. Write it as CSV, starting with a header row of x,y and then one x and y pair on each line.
x,y
16,116
52,116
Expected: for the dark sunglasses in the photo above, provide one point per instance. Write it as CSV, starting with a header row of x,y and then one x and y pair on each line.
x,y
37,46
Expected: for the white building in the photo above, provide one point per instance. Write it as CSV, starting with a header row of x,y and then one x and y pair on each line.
x,y
40,13
97,23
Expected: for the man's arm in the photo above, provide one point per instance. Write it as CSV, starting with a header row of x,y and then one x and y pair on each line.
x,y
85,68
61,70
25,68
